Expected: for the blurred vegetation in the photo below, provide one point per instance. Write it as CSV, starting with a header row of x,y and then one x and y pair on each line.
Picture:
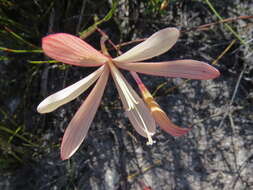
x,y
22,25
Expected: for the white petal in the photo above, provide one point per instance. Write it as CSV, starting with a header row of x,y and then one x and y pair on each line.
x,y
136,110
80,123
66,95
155,45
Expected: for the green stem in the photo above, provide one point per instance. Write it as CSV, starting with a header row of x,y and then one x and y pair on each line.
x,y
41,62
17,135
226,25
19,37
20,50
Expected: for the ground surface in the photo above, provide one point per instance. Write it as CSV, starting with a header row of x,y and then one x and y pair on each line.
x,y
216,154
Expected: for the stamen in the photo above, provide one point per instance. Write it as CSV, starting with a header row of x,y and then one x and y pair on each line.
x,y
130,100
147,98
128,95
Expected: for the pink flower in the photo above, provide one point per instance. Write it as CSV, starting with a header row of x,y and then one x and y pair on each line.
x,y
142,114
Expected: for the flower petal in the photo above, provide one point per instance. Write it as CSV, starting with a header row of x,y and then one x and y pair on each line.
x,y
80,123
136,110
163,121
187,68
155,45
158,114
68,94
71,50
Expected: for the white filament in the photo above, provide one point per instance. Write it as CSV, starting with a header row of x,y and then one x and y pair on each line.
x,y
131,101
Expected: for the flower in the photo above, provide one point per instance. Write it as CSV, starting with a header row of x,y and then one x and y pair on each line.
x,y
143,115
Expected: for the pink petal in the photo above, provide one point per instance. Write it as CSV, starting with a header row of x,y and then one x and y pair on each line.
x,y
165,123
158,114
80,123
155,45
187,68
72,50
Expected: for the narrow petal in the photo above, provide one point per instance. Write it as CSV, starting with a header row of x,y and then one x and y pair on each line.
x,y
68,94
158,114
163,121
155,45
80,123
136,110
187,68
71,50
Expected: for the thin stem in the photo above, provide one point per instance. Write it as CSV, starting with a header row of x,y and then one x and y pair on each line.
x,y
215,62
102,44
41,62
2,128
206,26
19,37
226,25
113,45
20,50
